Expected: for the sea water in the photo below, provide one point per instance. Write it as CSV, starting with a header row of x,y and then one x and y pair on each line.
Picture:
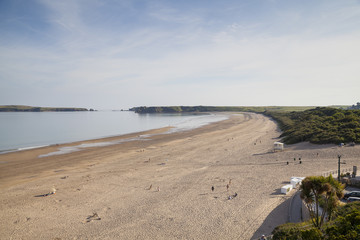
x,y
24,130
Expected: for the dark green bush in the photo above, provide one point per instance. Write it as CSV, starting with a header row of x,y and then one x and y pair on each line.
x,y
343,225
297,231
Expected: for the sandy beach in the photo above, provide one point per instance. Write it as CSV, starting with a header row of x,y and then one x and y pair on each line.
x,y
160,187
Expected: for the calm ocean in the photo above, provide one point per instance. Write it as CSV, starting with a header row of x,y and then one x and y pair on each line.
x,y
21,130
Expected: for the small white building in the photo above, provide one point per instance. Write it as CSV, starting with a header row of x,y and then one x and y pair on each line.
x,y
286,188
295,181
278,146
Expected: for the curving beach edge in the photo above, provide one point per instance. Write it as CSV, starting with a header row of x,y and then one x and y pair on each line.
x,y
221,180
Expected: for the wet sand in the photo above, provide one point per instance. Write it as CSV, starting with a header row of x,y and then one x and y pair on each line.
x,y
160,187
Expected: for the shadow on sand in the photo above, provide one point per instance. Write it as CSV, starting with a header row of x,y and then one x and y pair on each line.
x,y
264,153
277,217
277,192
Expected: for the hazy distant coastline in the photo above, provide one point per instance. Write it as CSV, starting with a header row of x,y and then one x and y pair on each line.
x,y
177,109
21,108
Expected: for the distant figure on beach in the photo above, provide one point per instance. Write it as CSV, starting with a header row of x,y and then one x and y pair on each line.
x,y
263,237
227,187
150,187
300,162
287,163
212,188
294,159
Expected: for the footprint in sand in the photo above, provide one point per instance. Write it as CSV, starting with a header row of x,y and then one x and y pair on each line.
x,y
90,218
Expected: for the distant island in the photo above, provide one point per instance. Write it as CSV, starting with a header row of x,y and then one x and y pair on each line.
x,y
21,108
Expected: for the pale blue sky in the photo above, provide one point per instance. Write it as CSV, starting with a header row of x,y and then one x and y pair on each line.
x,y
113,54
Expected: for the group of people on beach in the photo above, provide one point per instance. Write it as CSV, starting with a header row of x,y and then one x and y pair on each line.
x,y
287,163
227,189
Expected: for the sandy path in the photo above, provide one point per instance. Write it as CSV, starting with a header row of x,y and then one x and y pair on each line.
x,y
103,193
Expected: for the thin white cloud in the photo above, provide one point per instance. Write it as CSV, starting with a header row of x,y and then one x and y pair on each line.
x,y
155,64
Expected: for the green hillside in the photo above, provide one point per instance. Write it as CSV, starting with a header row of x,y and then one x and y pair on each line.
x,y
313,124
319,125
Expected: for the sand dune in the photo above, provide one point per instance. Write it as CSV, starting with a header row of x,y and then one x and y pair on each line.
x,y
105,193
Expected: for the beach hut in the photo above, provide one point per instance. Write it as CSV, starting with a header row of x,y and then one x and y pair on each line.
x,y
278,146
295,181
286,188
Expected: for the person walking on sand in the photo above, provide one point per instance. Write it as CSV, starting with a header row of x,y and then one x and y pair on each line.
x,y
227,187
212,188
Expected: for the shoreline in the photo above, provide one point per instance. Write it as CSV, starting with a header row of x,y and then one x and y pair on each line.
x,y
106,139
179,126
36,153
161,188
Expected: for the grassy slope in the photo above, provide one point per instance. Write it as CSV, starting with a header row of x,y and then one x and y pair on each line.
x,y
320,125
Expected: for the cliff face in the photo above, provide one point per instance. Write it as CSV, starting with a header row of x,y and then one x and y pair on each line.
x,y
20,108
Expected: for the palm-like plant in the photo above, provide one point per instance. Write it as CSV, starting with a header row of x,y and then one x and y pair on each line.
x,y
316,190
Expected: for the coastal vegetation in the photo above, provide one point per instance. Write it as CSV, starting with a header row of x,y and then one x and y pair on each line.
x,y
343,220
319,125
21,108
319,191
343,225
